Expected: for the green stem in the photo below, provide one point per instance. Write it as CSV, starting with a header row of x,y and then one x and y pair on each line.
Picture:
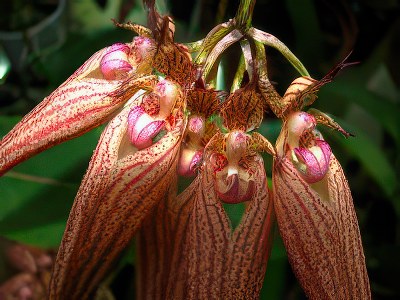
x,y
271,41
244,13
237,80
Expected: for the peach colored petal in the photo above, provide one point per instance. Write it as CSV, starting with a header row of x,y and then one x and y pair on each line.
x,y
188,249
120,188
82,102
319,227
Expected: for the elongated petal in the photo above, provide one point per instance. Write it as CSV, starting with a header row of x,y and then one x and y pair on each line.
x,y
206,258
156,240
319,227
82,102
120,188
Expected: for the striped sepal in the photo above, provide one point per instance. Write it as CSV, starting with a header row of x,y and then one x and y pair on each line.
x,y
319,227
120,188
205,257
82,102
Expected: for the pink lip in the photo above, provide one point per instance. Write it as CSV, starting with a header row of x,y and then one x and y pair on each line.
x,y
316,168
141,128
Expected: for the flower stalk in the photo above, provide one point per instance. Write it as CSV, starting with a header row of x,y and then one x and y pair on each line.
x,y
244,13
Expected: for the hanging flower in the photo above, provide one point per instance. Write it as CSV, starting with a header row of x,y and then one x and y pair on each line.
x,y
313,203
165,119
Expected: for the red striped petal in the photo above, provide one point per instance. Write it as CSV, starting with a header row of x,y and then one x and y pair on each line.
x,y
319,227
189,250
82,102
120,188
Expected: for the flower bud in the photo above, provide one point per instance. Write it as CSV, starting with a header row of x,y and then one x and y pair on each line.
x,y
114,64
142,128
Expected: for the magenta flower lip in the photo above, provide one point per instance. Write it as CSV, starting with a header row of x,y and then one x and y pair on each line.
x,y
114,64
232,192
316,166
142,128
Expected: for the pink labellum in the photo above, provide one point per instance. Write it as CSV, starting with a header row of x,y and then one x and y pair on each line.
x,y
114,64
189,161
195,132
232,188
142,128
196,125
315,160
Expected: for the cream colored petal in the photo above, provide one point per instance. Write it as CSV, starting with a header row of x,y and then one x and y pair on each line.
x,y
189,250
319,227
82,102
120,188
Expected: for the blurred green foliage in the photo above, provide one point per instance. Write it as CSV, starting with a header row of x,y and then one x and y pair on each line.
x,y
35,197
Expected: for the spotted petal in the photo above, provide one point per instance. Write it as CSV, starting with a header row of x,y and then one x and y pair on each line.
x,y
82,102
188,249
120,188
319,227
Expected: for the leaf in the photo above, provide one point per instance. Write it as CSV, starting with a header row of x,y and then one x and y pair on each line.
x,y
91,16
274,282
385,112
307,29
45,236
38,193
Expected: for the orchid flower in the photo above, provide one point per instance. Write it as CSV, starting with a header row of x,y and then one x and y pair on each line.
x,y
166,120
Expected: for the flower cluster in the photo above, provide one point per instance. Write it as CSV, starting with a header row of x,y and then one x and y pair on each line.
x,y
166,120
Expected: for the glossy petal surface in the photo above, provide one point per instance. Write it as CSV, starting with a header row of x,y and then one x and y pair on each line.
x,y
82,102
188,249
319,227
120,188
